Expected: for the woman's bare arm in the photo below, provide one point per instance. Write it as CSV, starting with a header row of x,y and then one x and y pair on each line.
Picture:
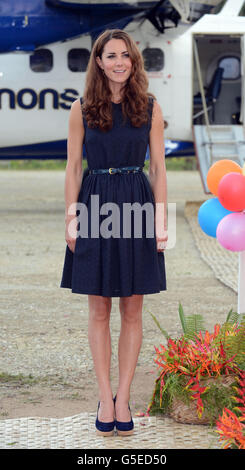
x,y
157,171
74,171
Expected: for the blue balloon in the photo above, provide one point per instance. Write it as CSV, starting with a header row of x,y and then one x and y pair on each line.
x,y
210,213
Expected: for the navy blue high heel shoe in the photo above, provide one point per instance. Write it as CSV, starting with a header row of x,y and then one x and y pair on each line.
x,y
124,428
104,429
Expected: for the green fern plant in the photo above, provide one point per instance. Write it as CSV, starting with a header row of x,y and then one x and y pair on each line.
x,y
191,324
234,345
159,326
232,317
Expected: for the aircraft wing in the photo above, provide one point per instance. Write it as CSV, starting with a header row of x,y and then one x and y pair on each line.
x,y
33,23
28,24
183,7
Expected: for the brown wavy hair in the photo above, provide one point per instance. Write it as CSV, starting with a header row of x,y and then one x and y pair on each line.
x,y
97,106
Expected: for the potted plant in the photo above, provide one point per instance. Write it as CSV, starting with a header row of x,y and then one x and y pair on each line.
x,y
198,369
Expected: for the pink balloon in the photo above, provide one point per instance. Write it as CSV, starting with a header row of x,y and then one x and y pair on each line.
x,y
231,231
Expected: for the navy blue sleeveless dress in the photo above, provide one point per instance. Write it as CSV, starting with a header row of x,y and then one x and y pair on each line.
x,y
115,266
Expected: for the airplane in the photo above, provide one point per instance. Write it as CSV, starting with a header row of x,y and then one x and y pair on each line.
x,y
194,58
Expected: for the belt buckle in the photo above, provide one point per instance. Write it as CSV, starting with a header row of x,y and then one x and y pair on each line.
x,y
111,171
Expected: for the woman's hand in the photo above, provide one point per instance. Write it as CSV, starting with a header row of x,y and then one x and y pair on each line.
x,y
71,232
161,237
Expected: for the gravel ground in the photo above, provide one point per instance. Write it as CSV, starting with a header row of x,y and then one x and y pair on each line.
x,y
45,360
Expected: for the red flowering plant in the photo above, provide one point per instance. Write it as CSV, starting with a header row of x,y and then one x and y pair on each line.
x,y
187,361
231,425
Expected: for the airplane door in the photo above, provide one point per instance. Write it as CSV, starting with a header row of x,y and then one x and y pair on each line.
x,y
242,115
214,138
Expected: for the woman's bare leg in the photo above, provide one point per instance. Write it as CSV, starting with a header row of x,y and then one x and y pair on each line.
x,y
128,350
100,345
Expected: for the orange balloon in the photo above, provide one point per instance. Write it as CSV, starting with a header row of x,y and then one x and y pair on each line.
x,y
218,170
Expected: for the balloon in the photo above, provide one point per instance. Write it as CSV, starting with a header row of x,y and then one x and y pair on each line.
x,y
218,170
231,231
210,214
231,192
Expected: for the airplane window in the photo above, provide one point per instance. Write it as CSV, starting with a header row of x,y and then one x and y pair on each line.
x,y
41,60
78,60
232,68
153,59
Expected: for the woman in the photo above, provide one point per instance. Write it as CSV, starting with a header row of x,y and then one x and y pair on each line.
x,y
116,119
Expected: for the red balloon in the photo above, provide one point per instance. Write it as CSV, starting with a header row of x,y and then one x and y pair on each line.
x,y
231,192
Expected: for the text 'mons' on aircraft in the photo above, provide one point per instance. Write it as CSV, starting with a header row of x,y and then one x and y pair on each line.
x,y
194,55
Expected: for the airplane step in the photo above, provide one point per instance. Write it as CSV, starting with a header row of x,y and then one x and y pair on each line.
x,y
221,142
226,142
221,127
230,157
